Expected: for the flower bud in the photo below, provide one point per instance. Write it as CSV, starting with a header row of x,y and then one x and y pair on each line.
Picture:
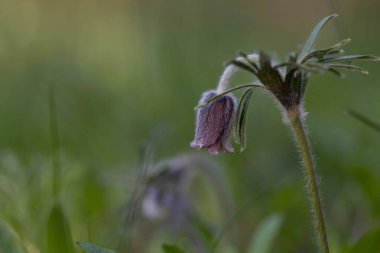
x,y
214,123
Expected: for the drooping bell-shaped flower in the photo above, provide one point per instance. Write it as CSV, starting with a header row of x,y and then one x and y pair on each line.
x,y
214,123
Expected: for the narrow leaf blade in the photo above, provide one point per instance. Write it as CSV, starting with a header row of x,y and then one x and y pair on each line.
x,y
365,120
266,234
58,232
350,58
335,49
349,67
167,248
313,36
240,127
10,240
336,72
91,248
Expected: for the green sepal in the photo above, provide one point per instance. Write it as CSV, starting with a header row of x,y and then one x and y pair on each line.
x,y
241,115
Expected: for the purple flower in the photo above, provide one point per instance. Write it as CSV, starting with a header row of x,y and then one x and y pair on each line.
x,y
214,123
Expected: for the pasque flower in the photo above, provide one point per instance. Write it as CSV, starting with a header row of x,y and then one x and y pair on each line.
x,y
214,123
286,82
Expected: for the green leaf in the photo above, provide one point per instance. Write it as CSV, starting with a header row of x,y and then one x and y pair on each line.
x,y
321,53
350,58
266,234
316,66
313,36
167,248
335,49
91,248
58,232
349,67
368,243
10,241
336,72
240,127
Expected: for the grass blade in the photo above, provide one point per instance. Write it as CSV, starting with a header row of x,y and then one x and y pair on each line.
x,y
91,248
171,249
58,232
365,120
146,157
265,234
313,36
10,240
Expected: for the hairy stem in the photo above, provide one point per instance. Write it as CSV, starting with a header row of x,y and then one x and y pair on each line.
x,y
231,69
301,138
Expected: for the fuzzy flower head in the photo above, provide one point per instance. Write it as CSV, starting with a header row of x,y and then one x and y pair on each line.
x,y
214,123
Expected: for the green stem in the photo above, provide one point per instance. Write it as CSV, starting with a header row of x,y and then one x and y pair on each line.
x,y
299,131
54,141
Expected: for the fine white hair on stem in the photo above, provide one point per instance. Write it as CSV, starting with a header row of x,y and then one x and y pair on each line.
x,y
230,70
225,79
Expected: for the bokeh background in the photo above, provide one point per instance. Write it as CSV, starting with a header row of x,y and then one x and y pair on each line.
x,y
121,71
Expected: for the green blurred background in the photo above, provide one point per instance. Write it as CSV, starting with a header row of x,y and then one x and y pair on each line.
x,y
123,69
